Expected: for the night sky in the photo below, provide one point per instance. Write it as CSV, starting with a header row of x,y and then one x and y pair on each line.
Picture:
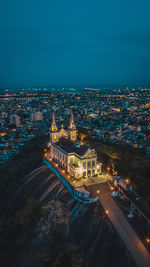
x,y
80,42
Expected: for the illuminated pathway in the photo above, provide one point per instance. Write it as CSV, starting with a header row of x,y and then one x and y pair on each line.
x,y
127,234
135,246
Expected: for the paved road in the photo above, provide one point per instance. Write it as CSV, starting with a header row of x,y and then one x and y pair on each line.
x,y
122,226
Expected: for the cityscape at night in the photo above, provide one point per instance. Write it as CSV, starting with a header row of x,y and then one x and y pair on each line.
x,y
74,133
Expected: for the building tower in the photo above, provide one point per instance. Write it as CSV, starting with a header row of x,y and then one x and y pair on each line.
x,y
53,131
72,128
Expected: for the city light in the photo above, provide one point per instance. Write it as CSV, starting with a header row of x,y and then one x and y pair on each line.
x,y
147,240
106,211
98,191
112,188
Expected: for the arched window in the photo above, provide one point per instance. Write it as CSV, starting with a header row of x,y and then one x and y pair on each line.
x,y
73,135
84,174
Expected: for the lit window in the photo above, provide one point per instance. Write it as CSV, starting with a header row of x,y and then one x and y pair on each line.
x,y
55,136
84,174
84,164
93,163
89,163
73,134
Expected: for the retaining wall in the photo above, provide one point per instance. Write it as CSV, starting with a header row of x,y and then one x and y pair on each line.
x,y
76,194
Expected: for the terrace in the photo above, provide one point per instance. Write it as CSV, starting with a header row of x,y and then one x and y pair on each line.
x,y
74,181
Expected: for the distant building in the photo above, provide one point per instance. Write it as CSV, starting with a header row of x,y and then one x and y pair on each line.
x,y
39,116
76,158
36,116
15,119
4,115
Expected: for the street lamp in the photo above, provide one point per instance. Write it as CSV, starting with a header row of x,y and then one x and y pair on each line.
x,y
106,211
108,169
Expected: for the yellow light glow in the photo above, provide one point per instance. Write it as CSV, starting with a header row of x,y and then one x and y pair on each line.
x,y
98,191
106,211
112,188
147,240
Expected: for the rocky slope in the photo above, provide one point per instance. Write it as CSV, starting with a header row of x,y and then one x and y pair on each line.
x,y
89,227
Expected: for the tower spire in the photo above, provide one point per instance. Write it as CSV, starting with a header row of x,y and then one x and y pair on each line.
x,y
72,124
53,125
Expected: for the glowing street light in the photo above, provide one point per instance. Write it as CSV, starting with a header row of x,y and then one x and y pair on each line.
x,y
106,211
127,181
147,240
98,191
111,188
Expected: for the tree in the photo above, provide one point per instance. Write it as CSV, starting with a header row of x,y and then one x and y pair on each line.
x,y
56,220
70,256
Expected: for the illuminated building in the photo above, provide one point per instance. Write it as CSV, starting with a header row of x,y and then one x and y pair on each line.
x,y
75,157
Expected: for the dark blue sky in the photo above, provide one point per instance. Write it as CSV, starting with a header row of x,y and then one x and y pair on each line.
x,y
79,42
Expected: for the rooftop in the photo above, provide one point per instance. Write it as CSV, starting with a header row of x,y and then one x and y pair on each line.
x,y
71,147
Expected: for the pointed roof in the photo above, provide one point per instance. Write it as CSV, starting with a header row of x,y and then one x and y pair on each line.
x,y
53,125
72,124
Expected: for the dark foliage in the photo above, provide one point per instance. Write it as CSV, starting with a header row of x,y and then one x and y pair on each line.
x,y
15,170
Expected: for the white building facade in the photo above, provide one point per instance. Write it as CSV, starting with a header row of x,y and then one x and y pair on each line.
x,y
76,158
